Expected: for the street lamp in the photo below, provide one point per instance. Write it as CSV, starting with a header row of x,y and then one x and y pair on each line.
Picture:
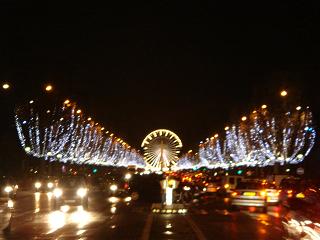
x,y
48,88
5,86
283,93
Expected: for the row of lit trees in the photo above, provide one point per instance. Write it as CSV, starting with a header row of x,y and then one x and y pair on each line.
x,y
63,133
263,138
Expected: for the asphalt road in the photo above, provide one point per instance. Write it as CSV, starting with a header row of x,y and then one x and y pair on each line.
x,y
33,218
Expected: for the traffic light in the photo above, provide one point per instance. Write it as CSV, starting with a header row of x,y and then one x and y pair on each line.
x,y
95,170
239,172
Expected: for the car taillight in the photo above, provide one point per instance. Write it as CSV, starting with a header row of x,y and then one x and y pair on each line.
x,y
263,193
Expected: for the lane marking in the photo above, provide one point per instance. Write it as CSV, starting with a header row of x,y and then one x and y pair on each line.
x,y
195,228
147,228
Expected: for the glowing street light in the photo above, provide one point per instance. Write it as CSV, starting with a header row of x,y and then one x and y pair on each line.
x,y
5,86
283,93
264,106
48,88
67,101
244,118
298,108
226,128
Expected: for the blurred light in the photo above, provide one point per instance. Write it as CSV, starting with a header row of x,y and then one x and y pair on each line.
x,y
31,101
10,203
226,128
65,208
127,176
81,217
216,135
113,209
113,187
79,111
89,119
5,86
56,220
263,193
244,118
113,199
37,185
49,88
283,93
81,192
186,188
226,186
264,106
57,192
300,195
127,199
8,189
298,108
27,149
67,101
288,170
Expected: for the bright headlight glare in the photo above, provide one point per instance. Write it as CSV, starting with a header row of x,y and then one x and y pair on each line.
x,y
50,185
82,192
37,184
127,199
113,199
8,189
57,192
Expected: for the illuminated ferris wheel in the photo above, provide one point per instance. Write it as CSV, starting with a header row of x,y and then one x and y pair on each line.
x,y
161,148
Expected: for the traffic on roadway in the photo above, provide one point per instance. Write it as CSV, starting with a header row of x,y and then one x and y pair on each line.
x,y
119,206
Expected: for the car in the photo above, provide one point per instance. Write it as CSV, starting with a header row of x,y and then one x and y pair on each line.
x,y
289,188
71,191
249,194
45,184
120,196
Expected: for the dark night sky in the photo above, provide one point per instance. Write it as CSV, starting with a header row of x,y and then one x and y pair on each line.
x,y
188,68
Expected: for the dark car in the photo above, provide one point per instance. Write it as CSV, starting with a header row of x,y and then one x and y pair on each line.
x,y
72,191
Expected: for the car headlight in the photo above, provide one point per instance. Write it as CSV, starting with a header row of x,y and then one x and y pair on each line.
x,y
113,187
8,189
50,185
113,199
37,185
82,192
127,199
57,192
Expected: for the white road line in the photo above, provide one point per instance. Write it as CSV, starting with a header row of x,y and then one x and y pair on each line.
x,y
195,228
147,228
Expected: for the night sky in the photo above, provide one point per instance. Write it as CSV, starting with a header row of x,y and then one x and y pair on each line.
x,y
135,68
